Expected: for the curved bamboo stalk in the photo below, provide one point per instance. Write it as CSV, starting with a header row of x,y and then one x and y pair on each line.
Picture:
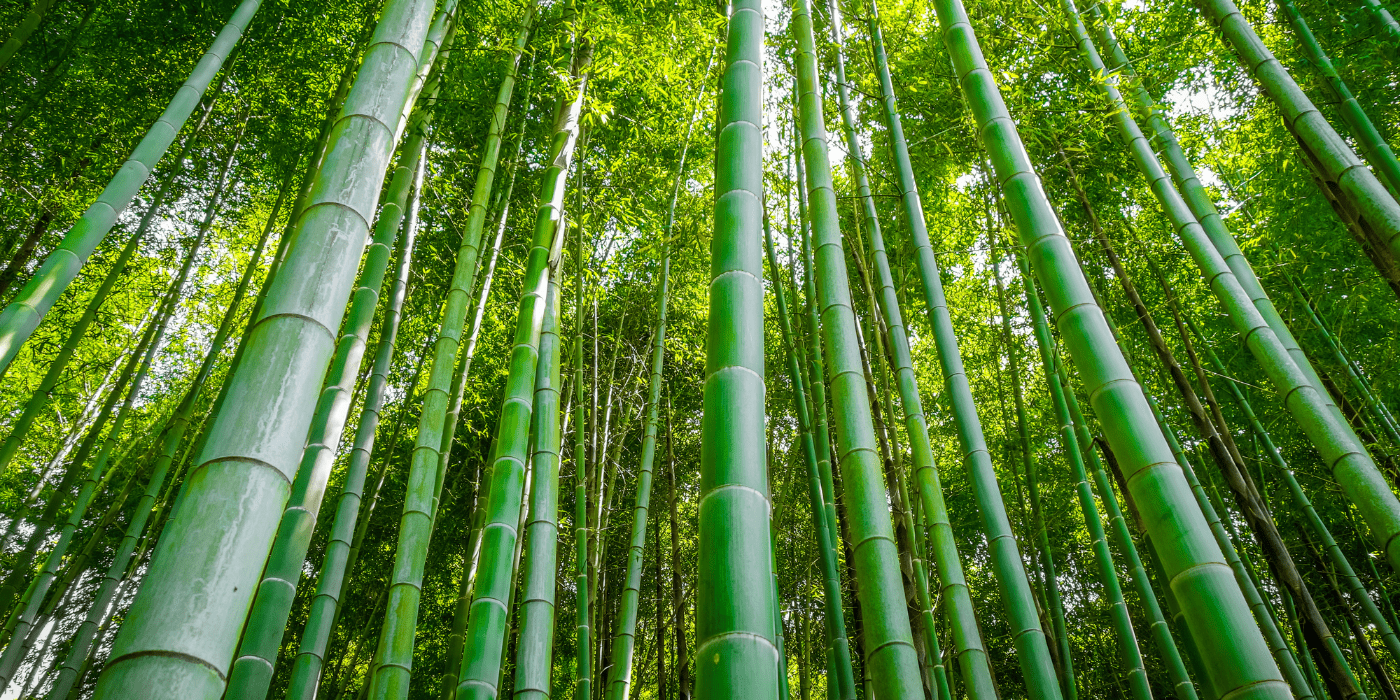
x,y
1216,613
183,626
60,268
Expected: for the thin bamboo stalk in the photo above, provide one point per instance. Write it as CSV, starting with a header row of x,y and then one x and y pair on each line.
x,y
890,660
486,625
60,268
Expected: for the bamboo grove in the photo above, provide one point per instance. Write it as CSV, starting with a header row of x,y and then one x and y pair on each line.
x,y
531,349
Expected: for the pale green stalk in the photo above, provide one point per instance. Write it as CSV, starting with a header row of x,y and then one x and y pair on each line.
x,y
183,627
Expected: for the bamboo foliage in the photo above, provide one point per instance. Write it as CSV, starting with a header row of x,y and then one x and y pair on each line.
x,y
23,314
453,566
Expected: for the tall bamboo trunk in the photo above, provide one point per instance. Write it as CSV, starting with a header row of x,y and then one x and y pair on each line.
x,y
678,601
838,647
535,648
393,658
1268,625
735,636
887,638
183,626
251,675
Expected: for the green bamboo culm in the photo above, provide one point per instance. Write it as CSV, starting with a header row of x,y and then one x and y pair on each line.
x,y
447,684
391,671
35,596
1361,198
482,647
252,671
736,653
1263,614
891,661
1304,397
968,648
1131,654
325,602
845,686
1239,665
168,441
816,378
624,640
925,469
534,650
60,268
183,626
838,647
583,632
